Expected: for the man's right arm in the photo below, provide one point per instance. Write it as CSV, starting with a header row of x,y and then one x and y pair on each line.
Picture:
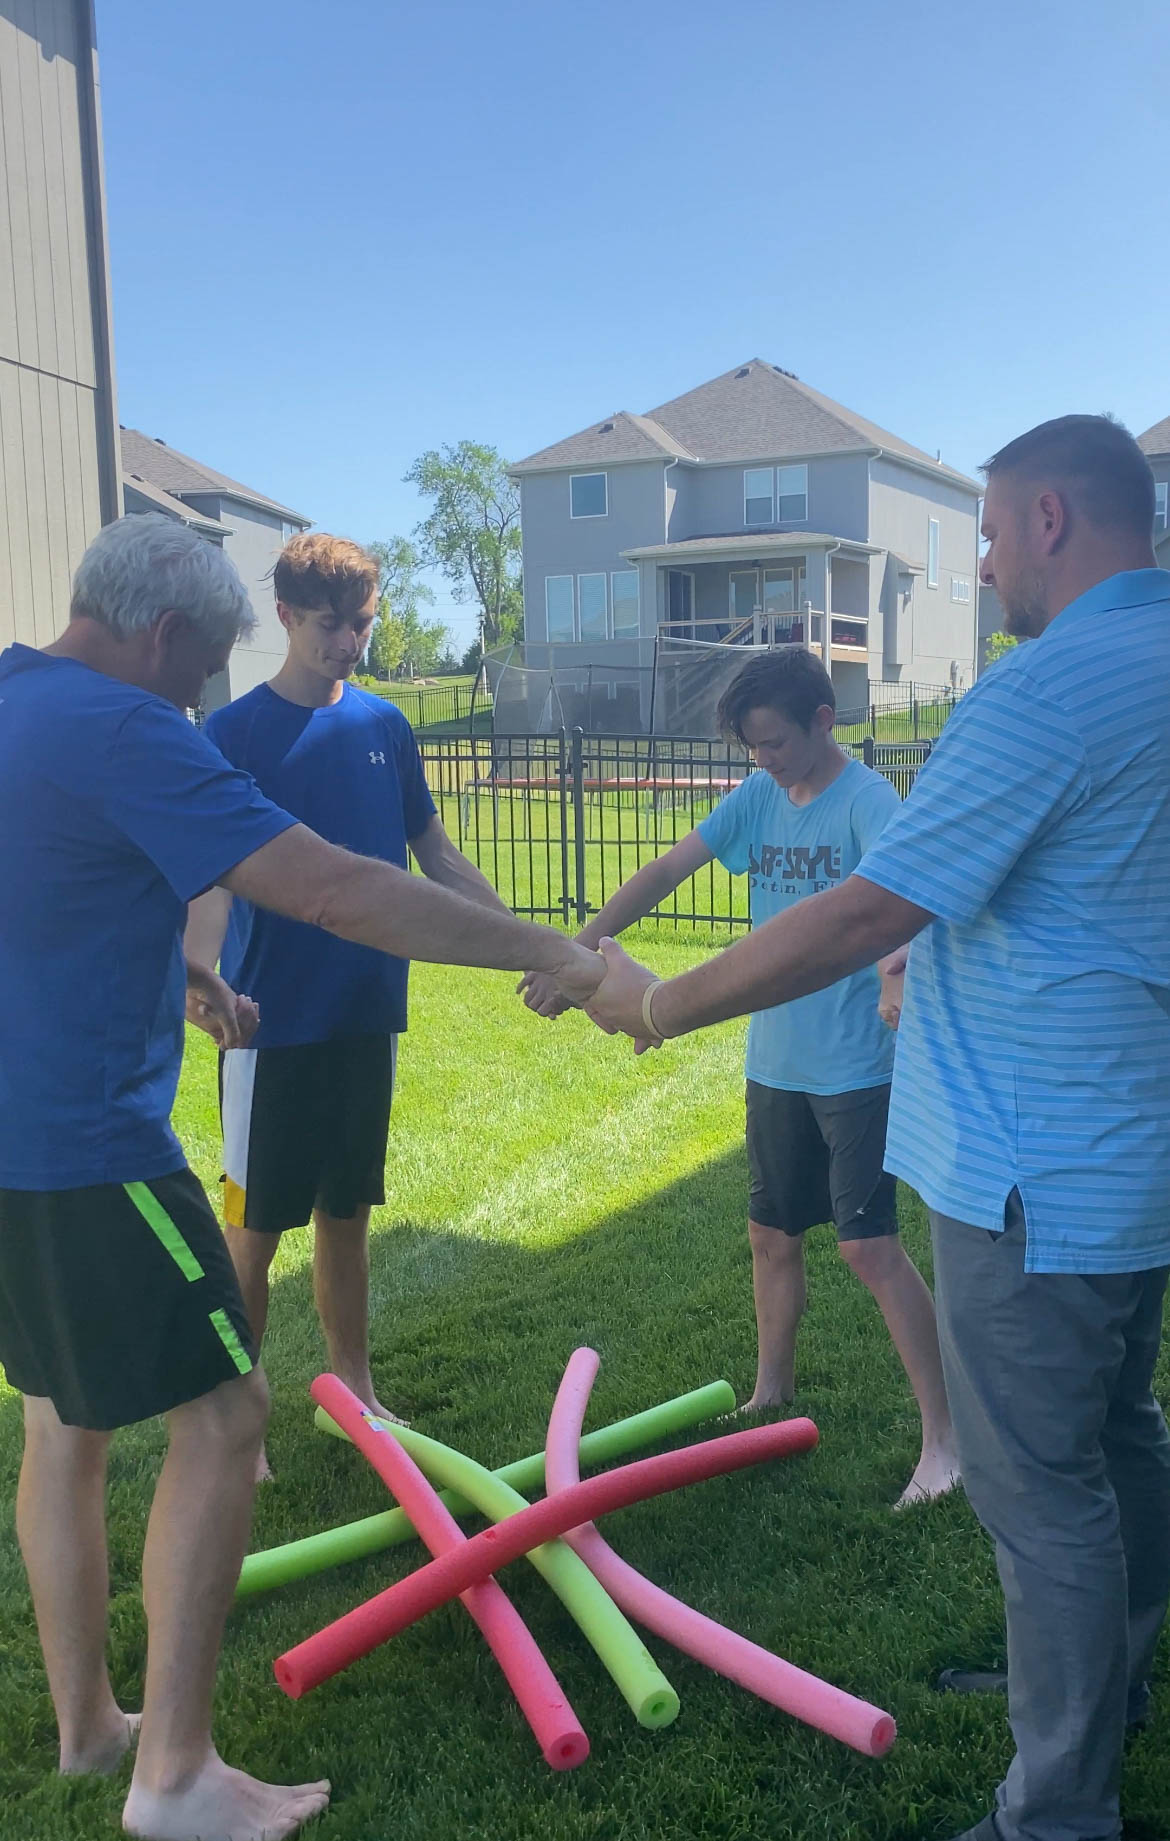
x,y
638,896
376,904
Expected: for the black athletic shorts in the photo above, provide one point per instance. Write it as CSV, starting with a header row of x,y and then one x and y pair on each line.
x,y
818,1157
305,1128
118,1302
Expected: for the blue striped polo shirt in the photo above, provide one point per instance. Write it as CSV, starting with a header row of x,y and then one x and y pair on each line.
x,y
1034,1049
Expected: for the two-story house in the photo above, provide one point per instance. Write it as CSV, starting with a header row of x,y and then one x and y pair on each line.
x,y
751,510
252,529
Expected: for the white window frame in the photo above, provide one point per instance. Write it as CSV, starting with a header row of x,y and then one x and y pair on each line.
x,y
598,474
758,523
933,545
619,575
801,467
961,589
571,640
1161,504
593,575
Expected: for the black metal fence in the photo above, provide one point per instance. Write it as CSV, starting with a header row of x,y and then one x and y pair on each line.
x,y
431,706
558,822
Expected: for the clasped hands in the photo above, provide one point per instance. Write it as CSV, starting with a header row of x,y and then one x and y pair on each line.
x,y
615,1002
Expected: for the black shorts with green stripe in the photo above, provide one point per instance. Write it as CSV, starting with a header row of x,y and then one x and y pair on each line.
x,y
118,1302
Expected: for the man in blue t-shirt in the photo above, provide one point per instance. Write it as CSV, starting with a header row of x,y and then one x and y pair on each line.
x,y
306,1106
118,1301
819,1069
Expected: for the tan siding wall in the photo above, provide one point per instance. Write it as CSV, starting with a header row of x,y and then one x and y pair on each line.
x,y
56,391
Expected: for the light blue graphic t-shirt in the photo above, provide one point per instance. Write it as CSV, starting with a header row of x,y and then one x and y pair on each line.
x,y
832,1041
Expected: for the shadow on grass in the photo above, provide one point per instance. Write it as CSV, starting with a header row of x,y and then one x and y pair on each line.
x,y
470,1337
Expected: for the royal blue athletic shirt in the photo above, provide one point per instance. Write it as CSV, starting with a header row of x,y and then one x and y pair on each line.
x,y
351,772
832,1041
115,813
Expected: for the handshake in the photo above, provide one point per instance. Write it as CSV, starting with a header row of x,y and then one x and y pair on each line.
x,y
614,991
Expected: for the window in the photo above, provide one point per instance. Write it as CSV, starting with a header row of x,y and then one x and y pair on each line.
x,y
792,493
960,588
624,590
932,553
591,604
757,495
558,609
1161,493
588,495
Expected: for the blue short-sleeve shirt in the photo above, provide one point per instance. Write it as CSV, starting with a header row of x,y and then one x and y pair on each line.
x,y
1034,1049
351,772
832,1041
115,813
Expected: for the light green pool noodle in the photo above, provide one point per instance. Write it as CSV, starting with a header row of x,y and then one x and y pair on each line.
x,y
622,1651
356,1540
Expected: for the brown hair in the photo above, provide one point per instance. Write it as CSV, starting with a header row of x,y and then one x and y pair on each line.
x,y
1097,462
788,680
322,571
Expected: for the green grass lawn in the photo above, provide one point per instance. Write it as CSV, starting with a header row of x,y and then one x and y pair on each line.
x,y
545,1189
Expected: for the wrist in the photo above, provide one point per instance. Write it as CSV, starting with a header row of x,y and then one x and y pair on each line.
x,y
648,996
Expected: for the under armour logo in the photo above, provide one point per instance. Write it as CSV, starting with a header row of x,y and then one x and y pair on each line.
x,y
375,758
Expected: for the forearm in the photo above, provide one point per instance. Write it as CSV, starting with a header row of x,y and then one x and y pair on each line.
x,y
630,904
463,877
207,920
805,949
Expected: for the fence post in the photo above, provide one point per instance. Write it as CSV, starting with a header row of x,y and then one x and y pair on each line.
x,y
580,903
868,750
914,712
562,773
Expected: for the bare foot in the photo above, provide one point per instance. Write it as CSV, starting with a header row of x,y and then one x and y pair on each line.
x,y
937,1474
219,1804
264,1470
760,1403
105,1752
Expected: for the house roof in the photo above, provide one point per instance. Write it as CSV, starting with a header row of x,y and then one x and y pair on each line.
x,y
177,474
174,508
1156,440
755,412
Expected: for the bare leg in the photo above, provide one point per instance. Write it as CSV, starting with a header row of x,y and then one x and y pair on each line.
x,y
780,1294
904,1299
252,1256
61,1525
341,1281
195,1541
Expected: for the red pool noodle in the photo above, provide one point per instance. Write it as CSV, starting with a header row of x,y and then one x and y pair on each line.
x,y
558,1731
867,1729
391,1611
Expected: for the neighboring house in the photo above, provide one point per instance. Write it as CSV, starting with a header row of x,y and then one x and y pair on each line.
x,y
752,509
1155,445
251,527
58,420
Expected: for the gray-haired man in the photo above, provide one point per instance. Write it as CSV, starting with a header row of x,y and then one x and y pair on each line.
x,y
117,1299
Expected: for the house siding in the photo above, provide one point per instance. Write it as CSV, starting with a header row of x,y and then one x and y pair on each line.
x,y
556,544
58,421
712,500
921,637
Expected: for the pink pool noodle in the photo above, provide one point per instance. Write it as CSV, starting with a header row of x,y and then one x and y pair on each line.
x,y
391,1611
867,1729
558,1731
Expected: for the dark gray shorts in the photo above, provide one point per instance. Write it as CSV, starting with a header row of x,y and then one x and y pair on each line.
x,y
818,1157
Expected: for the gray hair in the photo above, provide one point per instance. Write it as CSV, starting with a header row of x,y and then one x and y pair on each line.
x,y
142,565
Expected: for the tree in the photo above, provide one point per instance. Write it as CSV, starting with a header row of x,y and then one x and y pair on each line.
x,y
472,532
402,639
998,644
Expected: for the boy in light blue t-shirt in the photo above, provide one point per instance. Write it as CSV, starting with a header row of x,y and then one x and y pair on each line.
x,y
818,1069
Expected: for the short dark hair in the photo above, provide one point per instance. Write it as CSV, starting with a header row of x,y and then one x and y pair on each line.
x,y
1095,459
788,680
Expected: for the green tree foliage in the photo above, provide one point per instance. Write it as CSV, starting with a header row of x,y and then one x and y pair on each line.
x,y
472,532
402,640
998,644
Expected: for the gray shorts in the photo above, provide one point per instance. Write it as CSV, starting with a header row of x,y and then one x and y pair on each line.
x,y
818,1157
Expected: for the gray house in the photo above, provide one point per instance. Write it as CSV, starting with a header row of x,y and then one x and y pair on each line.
x,y
752,509
1155,445
251,527
59,477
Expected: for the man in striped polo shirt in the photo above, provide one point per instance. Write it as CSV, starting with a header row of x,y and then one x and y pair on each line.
x,y
1031,1100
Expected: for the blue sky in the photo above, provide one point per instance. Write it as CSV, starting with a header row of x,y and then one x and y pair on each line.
x,y
342,234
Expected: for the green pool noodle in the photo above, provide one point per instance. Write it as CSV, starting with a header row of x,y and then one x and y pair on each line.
x,y
356,1540
621,1650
